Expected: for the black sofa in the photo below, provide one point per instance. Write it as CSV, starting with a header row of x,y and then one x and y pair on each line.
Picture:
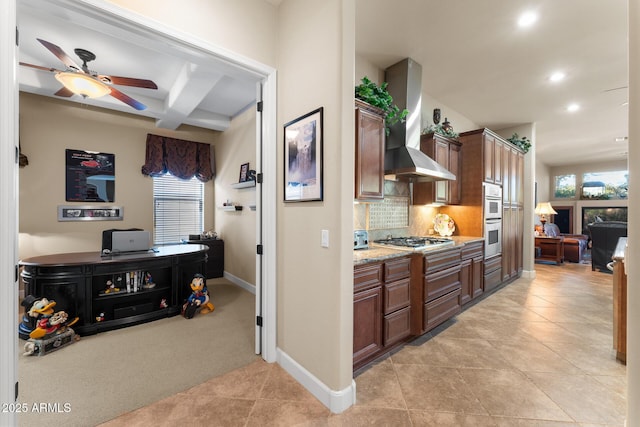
x,y
604,238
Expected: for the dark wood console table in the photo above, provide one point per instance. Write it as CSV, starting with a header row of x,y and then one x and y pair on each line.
x,y
77,283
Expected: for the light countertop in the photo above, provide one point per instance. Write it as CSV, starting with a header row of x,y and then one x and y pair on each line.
x,y
377,253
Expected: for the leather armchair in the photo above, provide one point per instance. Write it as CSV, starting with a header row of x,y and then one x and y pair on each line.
x,y
574,244
604,238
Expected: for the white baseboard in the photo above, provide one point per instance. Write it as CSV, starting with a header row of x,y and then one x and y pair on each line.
x,y
238,281
336,401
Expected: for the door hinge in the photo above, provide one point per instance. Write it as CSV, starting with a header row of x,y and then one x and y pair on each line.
x,y
259,249
259,178
16,275
259,321
259,106
16,391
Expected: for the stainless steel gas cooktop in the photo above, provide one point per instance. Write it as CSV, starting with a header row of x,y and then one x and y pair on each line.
x,y
414,243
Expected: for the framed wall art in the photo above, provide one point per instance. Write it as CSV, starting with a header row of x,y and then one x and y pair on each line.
x,y
244,172
303,158
90,176
90,213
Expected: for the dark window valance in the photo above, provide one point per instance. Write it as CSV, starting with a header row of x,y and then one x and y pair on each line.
x,y
183,159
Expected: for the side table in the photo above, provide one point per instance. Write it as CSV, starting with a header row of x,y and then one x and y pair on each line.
x,y
551,249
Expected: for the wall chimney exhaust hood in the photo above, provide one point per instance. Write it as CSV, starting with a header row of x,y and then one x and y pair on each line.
x,y
403,157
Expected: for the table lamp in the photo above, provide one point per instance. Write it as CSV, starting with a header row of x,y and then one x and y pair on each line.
x,y
543,209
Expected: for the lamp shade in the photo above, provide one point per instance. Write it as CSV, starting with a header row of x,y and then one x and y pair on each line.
x,y
545,208
83,84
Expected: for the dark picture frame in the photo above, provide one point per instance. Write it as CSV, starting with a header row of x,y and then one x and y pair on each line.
x,y
303,157
244,172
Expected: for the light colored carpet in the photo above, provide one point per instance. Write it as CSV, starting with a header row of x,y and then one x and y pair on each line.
x,y
105,375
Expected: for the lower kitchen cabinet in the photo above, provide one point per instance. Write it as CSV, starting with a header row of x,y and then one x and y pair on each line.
x,y
471,272
381,308
492,273
439,295
398,299
367,324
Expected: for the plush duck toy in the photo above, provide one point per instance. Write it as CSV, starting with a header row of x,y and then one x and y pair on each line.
x,y
199,298
47,322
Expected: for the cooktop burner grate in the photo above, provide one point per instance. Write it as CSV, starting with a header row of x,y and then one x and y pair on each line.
x,y
414,242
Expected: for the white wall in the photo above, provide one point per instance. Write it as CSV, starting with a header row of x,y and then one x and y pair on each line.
x,y
236,146
315,284
47,128
246,27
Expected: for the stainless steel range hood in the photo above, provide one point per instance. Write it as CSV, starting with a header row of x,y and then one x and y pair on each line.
x,y
403,157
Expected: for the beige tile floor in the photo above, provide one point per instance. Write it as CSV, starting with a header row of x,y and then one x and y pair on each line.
x,y
534,354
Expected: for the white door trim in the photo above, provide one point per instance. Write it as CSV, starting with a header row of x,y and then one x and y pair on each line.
x,y
8,210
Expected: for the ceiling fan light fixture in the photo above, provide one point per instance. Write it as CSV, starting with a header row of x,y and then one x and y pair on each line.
x,y
83,84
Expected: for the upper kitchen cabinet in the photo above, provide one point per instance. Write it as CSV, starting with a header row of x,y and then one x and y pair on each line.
x,y
446,152
370,146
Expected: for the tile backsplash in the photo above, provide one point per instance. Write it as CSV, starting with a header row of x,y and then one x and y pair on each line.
x,y
394,215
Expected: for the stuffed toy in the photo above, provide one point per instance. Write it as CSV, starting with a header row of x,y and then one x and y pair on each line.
x,y
199,299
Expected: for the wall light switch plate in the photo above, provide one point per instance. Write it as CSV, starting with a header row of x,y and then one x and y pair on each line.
x,y
325,239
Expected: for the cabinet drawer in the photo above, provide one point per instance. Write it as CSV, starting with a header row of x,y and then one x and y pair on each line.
x,y
441,309
473,250
366,276
397,326
492,264
492,279
397,295
442,282
397,269
440,260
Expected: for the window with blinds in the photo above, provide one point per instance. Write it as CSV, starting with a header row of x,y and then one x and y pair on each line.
x,y
177,209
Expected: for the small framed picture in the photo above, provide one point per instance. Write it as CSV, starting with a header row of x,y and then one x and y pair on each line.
x,y
244,172
303,158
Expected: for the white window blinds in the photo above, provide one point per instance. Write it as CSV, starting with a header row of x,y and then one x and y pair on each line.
x,y
178,209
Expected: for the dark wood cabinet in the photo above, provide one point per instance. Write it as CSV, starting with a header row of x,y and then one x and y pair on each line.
x,y
438,291
77,283
471,272
487,157
370,146
215,256
446,152
381,308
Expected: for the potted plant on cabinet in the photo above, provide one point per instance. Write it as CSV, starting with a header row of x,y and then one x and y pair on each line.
x,y
378,96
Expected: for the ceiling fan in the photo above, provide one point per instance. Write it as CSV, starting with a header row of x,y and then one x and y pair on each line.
x,y
80,80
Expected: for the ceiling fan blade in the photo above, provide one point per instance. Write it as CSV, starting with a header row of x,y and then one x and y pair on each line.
x,y
64,92
62,56
128,81
39,67
127,99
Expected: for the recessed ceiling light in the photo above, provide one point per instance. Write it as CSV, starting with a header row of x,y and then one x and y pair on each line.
x,y
621,138
527,19
624,104
557,76
573,107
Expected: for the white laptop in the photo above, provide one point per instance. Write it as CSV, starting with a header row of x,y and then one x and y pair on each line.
x,y
130,241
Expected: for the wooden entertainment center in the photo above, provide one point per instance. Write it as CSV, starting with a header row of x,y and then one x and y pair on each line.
x,y
77,282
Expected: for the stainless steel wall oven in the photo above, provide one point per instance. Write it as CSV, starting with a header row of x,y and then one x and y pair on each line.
x,y
492,218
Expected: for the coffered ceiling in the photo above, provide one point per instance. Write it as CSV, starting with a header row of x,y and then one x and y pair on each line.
x,y
194,87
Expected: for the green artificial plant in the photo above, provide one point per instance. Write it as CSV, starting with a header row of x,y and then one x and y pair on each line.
x,y
523,143
378,96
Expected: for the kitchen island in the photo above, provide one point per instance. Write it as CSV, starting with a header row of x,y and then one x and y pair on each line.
x,y
402,294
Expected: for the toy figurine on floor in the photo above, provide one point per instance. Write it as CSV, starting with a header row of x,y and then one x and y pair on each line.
x,y
199,299
51,330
